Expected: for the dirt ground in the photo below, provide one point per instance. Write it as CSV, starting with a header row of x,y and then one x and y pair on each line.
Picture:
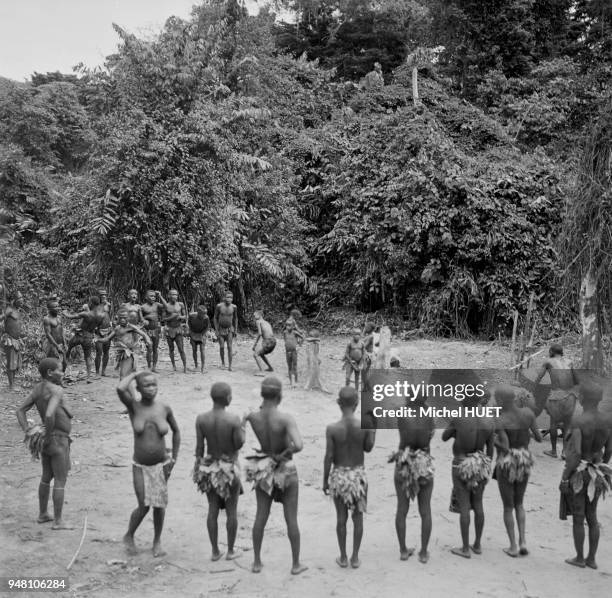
x,y
100,488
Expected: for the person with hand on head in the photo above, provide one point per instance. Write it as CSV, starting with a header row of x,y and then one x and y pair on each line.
x,y
152,464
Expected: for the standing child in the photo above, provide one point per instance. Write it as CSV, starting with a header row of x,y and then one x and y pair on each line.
x,y
346,482
292,338
354,358
220,435
198,322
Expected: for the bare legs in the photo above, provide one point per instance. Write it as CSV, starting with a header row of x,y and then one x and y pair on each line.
x,y
194,350
153,351
403,505
54,467
178,340
290,504
102,356
590,513
139,513
223,339
512,498
469,499
231,509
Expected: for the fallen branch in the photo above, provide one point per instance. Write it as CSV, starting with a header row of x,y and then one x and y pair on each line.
x,y
80,544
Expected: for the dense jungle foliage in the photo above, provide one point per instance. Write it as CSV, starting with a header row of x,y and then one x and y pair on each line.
x,y
243,152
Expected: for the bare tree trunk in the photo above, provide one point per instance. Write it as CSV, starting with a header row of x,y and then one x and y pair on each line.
x,y
415,85
592,356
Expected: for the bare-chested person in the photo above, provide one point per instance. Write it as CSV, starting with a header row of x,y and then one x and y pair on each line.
x,y
54,343
12,338
133,307
174,318
198,323
226,324
562,399
268,342
514,462
354,358
152,312
85,333
104,329
587,473
414,476
471,471
273,471
346,444
152,464
126,336
48,398
221,435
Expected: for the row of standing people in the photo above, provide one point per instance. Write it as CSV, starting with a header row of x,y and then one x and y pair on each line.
x,y
220,436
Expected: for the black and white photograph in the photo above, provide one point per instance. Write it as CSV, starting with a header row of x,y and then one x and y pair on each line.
x,y
306,298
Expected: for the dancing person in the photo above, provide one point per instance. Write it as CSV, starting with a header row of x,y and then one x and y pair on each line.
x,y
561,402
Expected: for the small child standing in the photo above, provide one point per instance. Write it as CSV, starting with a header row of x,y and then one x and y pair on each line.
x,y
354,358
292,338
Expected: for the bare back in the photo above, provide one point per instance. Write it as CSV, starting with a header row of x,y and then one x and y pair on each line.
x,y
272,429
516,424
349,442
415,432
560,372
595,434
471,434
42,394
220,432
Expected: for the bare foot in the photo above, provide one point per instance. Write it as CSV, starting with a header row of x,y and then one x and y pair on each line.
x,y
513,552
216,555
61,525
476,549
130,547
257,567
269,369
158,551
551,454
591,563
229,369
342,561
423,556
103,374
406,554
355,562
297,569
44,518
576,562
523,551
231,555
465,553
